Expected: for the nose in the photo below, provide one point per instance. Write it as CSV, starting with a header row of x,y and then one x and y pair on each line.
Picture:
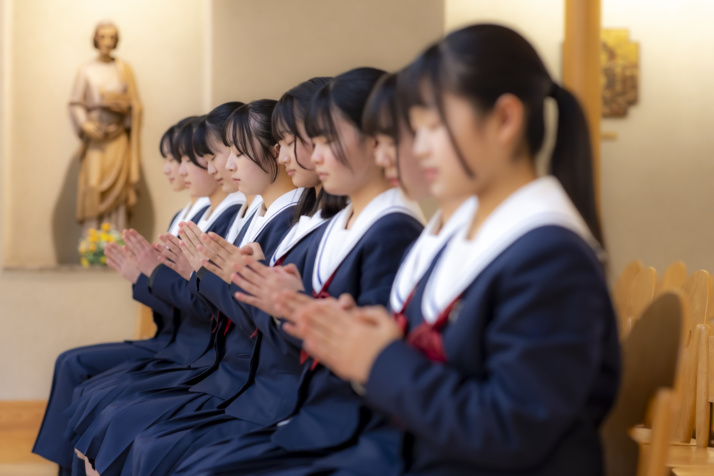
x,y
284,156
318,156
231,162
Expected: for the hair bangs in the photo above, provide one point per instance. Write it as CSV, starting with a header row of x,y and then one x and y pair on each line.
x,y
380,112
320,122
165,143
200,139
283,121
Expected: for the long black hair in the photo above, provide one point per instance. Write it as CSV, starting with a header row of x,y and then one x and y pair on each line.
x,y
182,144
212,125
483,62
347,94
291,109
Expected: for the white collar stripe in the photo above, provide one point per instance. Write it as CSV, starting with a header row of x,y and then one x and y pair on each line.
x,y
337,242
540,203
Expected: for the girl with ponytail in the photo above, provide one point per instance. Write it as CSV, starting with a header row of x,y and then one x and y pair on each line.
x,y
505,359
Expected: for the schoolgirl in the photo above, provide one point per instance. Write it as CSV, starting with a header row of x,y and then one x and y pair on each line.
x,y
358,254
163,369
509,360
158,449
258,173
78,365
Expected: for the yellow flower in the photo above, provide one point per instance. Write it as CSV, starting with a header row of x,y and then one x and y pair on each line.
x,y
109,239
85,262
104,237
83,247
93,238
103,260
92,247
92,232
106,226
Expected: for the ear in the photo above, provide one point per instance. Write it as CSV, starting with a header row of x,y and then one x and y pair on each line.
x,y
275,150
508,118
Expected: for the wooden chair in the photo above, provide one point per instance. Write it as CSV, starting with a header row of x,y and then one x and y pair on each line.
x,y
697,291
705,384
672,278
651,358
621,289
639,297
145,327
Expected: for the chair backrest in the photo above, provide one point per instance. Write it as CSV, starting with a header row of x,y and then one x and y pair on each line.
x,y
621,289
640,296
705,384
696,290
650,362
672,278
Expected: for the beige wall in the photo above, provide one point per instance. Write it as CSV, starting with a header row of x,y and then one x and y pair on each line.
x,y
45,312
263,48
657,176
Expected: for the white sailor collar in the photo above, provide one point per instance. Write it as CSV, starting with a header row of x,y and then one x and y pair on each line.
x,y
300,230
540,203
258,223
242,216
187,213
332,251
424,249
205,223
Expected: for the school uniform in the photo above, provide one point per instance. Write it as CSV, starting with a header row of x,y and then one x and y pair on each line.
x,y
75,366
511,358
133,376
267,397
117,426
327,416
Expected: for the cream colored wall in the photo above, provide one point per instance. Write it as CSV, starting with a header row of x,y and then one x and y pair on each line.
x,y
657,191
541,22
263,48
44,312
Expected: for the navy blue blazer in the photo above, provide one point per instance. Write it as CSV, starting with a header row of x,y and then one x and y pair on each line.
x,y
328,412
165,316
532,368
234,369
191,340
273,393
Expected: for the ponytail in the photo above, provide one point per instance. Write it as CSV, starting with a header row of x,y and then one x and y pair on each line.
x,y
572,159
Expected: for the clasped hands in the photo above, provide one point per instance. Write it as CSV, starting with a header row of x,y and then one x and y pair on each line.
x,y
340,335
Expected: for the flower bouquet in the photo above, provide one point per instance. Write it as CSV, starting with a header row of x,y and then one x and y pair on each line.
x,y
91,248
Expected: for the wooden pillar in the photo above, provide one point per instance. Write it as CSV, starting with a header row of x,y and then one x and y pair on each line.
x,y
581,68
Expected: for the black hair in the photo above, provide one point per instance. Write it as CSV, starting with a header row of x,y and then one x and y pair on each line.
x,y
252,121
380,113
291,108
483,62
184,139
165,143
212,123
347,94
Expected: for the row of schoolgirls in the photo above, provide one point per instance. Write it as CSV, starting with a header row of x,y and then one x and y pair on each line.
x,y
309,323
